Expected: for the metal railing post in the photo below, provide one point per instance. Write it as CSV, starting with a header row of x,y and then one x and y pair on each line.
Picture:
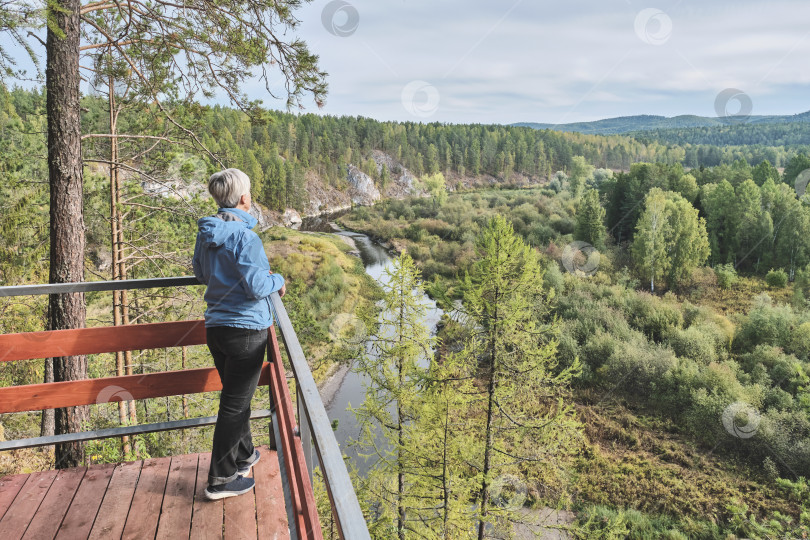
x,y
351,523
306,433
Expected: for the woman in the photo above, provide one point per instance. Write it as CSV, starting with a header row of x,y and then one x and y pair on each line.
x,y
230,259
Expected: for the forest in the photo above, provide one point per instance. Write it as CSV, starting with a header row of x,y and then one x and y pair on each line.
x,y
698,384
656,312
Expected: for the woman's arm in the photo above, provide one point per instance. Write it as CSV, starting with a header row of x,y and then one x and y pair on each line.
x,y
254,269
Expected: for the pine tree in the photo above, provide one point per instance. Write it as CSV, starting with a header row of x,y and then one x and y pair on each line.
x,y
443,440
580,171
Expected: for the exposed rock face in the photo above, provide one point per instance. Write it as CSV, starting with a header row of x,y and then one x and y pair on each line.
x,y
323,198
174,189
291,218
263,216
361,187
402,184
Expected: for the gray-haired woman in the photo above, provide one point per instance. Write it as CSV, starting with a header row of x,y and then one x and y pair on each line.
x,y
230,259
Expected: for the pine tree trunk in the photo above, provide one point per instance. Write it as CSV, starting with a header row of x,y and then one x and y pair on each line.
x,y
46,427
445,484
116,250
400,465
66,216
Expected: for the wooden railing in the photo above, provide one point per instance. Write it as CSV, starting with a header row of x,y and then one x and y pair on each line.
x,y
294,455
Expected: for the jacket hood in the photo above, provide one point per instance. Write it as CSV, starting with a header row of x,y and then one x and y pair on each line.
x,y
215,230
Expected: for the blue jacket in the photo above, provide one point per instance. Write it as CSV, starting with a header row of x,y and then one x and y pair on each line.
x,y
230,259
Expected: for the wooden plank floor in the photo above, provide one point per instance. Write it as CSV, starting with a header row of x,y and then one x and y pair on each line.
x,y
154,498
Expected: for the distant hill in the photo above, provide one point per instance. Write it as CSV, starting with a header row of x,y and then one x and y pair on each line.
x,y
646,122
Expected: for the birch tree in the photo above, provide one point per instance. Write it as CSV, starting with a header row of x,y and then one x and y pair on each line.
x,y
649,247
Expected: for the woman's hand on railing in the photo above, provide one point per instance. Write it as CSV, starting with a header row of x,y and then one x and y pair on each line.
x,y
283,290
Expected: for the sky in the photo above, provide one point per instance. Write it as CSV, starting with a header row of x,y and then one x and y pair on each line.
x,y
475,61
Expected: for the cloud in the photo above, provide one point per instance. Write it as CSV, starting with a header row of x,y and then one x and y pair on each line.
x,y
510,61
523,60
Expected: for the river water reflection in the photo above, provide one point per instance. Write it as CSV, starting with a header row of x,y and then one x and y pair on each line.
x,y
351,391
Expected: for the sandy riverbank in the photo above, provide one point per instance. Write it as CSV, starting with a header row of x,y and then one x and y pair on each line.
x,y
331,384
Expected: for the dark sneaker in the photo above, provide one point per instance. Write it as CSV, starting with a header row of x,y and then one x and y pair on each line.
x,y
244,469
231,489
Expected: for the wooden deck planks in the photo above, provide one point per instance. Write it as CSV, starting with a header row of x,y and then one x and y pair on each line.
x,y
240,517
115,506
9,487
271,515
55,505
84,508
156,498
175,515
142,521
207,517
22,510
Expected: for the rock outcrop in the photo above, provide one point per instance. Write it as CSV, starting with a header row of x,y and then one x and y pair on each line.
x,y
323,198
291,218
361,187
402,180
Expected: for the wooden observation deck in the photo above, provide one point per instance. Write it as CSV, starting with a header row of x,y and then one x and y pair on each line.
x,y
163,497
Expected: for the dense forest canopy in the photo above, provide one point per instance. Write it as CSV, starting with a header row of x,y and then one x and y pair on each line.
x,y
697,302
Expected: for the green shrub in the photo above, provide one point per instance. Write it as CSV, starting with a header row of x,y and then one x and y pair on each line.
x,y
567,347
800,341
698,342
726,275
637,366
776,279
651,315
553,278
765,324
597,349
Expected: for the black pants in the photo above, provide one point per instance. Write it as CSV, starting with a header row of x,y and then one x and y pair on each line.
x,y
238,355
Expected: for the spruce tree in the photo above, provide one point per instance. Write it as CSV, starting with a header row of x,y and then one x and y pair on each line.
x,y
590,225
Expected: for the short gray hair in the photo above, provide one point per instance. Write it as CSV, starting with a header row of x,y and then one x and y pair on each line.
x,y
228,186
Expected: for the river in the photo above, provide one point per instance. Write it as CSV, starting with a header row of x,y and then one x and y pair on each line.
x,y
351,391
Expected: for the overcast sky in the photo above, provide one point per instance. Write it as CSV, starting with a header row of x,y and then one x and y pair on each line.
x,y
475,61
505,61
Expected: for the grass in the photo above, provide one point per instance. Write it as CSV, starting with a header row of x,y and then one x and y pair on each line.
x,y
737,298
640,467
327,289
